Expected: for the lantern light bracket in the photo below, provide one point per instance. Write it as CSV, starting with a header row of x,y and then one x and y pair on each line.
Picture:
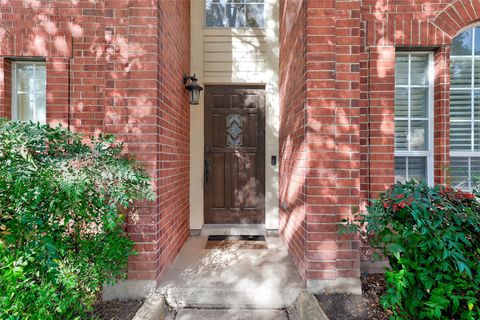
x,y
187,77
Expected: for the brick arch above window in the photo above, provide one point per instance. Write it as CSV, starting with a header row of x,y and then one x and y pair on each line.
x,y
456,17
385,26
399,32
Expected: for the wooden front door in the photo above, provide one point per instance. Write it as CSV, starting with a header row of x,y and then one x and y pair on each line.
x,y
234,168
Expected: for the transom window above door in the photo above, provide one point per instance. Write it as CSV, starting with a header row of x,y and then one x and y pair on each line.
x,y
234,13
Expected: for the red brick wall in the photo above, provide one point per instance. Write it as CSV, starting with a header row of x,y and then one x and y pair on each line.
x,y
333,180
174,124
59,83
346,113
132,112
320,134
292,138
5,87
110,69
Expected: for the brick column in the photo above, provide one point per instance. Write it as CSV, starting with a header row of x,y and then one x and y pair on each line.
x,y
292,137
381,75
5,88
58,87
333,135
320,152
174,129
131,113
441,112
146,106
347,132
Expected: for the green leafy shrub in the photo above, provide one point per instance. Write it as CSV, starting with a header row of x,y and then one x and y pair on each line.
x,y
61,221
431,237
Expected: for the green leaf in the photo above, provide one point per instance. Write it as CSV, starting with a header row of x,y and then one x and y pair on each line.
x,y
470,306
395,249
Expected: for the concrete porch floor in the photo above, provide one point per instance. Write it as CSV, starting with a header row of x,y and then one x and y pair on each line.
x,y
231,277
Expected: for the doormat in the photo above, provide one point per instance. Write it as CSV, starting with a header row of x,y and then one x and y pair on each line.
x,y
236,242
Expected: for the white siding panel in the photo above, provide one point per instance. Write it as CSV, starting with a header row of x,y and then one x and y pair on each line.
x,y
237,46
240,66
233,55
253,40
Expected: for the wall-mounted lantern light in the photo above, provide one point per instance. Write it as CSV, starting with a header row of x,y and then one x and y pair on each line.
x,y
193,88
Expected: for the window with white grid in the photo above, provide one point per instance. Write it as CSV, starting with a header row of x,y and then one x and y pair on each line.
x,y
465,109
234,13
413,116
29,96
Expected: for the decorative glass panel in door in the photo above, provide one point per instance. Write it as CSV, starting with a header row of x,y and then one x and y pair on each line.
x,y
234,130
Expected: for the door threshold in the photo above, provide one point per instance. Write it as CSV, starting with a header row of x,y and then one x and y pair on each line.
x,y
233,230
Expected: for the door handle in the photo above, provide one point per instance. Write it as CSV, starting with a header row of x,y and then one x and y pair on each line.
x,y
206,171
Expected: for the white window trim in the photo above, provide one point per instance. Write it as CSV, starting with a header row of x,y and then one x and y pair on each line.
x,y
14,87
429,153
234,28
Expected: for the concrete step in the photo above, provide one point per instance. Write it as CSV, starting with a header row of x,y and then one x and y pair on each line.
x,y
209,314
263,298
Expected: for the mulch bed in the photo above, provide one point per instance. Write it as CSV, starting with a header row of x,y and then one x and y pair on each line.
x,y
116,309
355,307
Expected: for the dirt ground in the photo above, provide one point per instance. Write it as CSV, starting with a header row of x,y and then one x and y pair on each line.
x,y
355,307
116,310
